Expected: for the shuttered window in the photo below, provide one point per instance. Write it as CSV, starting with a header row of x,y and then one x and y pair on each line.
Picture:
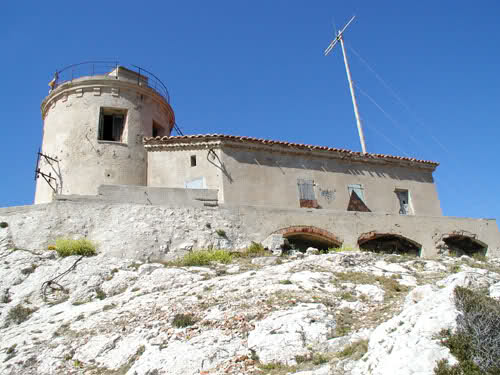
x,y
307,198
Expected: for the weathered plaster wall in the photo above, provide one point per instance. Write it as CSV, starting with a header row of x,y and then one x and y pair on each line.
x,y
161,232
173,169
260,177
71,123
172,197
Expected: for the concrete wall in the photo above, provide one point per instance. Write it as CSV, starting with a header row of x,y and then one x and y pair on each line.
x,y
173,169
160,232
71,123
259,177
172,197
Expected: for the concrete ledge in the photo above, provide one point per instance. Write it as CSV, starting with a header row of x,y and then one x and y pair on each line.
x,y
171,197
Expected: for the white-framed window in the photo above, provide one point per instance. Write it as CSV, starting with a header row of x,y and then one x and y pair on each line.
x,y
111,124
405,207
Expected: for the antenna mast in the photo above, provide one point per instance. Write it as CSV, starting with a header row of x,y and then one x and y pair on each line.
x,y
340,38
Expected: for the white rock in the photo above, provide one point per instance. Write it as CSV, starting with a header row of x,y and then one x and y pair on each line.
x,y
312,251
285,334
374,292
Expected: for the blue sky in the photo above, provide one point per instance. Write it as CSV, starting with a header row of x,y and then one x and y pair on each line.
x,y
257,68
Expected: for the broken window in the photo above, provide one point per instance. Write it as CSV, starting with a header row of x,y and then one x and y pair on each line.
x,y
404,202
307,198
357,198
158,130
111,124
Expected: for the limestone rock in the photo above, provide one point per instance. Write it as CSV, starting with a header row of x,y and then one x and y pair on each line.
x,y
286,334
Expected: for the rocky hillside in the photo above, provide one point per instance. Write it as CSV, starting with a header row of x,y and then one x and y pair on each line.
x,y
337,313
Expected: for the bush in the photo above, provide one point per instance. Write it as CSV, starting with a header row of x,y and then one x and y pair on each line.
x,y
20,314
343,248
475,342
354,350
183,320
221,233
67,246
254,250
3,224
204,258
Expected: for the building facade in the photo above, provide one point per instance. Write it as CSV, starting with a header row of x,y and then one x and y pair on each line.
x,y
250,171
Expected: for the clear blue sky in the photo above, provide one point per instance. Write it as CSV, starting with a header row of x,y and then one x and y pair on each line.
x,y
257,68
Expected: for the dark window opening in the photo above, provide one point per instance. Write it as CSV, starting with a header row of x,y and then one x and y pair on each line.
x,y
111,125
193,160
158,130
388,244
463,245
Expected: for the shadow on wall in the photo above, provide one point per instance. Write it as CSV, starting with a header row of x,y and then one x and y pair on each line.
x,y
346,166
388,243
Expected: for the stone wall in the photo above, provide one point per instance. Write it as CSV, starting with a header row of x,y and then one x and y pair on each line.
x,y
162,232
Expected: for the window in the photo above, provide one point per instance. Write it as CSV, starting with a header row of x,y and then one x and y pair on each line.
x,y
111,124
358,189
158,130
404,201
193,160
357,198
307,197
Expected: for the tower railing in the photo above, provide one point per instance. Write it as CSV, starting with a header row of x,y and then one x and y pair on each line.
x,y
101,68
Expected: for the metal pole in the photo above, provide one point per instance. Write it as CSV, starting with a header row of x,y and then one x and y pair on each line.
x,y
355,105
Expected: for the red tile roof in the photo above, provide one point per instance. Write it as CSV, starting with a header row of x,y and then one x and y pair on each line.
x,y
175,139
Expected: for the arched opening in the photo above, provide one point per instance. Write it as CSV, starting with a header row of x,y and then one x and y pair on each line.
x,y
459,244
388,243
303,237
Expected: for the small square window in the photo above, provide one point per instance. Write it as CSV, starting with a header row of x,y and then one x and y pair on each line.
x,y
193,160
111,124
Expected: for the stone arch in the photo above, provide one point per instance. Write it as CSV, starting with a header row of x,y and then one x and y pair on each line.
x,y
388,243
461,243
301,237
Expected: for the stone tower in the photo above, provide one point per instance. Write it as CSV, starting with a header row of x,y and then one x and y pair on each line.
x,y
93,126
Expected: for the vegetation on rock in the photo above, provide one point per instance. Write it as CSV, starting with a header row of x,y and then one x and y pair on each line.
x,y
476,341
67,247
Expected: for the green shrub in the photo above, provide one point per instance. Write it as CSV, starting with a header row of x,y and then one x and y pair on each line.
x,y
221,233
355,350
341,249
183,320
67,246
20,314
254,250
3,224
204,258
475,342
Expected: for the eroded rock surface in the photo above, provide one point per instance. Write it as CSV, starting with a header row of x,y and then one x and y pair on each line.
x,y
117,316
